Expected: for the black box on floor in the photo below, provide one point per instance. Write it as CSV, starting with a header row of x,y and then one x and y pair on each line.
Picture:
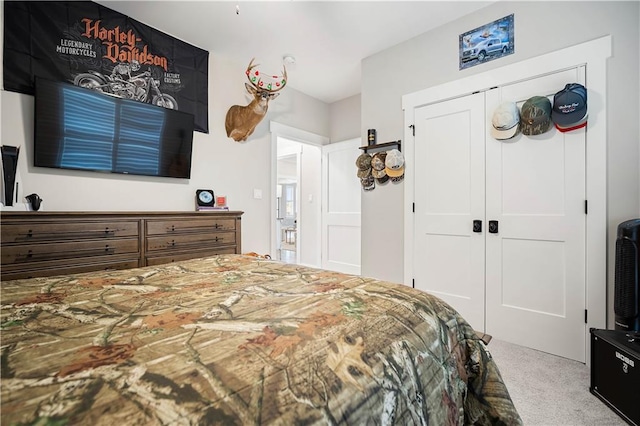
x,y
615,372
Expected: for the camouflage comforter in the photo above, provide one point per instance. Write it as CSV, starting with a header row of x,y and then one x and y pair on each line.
x,y
235,340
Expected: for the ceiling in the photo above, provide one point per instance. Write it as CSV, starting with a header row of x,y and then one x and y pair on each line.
x,y
328,39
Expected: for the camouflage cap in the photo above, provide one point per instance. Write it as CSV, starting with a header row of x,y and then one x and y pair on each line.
x,y
396,179
378,174
382,179
378,167
377,162
363,161
364,173
368,183
535,116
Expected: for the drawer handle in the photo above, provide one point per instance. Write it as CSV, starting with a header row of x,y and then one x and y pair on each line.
x,y
219,239
173,228
173,243
30,254
29,233
217,226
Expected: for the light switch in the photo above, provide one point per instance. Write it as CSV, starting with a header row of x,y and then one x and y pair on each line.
x,y
257,194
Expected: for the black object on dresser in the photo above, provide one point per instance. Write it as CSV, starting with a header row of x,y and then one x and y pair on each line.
x,y
615,371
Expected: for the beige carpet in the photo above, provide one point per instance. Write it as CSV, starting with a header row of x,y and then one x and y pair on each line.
x,y
549,390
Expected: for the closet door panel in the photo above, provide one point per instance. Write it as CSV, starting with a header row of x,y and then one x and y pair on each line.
x,y
449,196
534,169
536,262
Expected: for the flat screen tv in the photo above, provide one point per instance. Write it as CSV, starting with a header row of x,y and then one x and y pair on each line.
x,y
82,129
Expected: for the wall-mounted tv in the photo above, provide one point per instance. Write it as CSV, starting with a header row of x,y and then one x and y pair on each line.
x,y
83,129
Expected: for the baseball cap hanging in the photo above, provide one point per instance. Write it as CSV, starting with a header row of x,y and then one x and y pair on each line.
x,y
364,173
505,121
535,116
570,108
378,167
394,163
368,183
363,162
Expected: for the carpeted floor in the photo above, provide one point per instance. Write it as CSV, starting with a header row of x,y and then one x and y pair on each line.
x,y
548,390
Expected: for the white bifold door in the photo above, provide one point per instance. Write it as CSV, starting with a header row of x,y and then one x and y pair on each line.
x,y
500,225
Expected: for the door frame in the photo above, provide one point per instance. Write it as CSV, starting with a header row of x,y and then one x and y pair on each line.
x,y
594,55
282,130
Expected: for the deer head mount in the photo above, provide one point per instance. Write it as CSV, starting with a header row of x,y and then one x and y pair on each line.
x,y
241,121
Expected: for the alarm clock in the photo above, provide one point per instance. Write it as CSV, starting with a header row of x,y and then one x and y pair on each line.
x,y
204,198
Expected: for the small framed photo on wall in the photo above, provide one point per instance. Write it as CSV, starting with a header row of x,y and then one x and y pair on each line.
x,y
486,43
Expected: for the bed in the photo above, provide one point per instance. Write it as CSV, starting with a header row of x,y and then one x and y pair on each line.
x,y
239,340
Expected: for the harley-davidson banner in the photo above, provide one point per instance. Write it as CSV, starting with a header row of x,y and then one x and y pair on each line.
x,y
90,45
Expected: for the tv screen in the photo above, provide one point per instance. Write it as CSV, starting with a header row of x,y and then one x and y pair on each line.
x,y
82,129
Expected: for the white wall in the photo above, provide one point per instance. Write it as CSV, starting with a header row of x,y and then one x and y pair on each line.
x,y
432,59
345,119
230,168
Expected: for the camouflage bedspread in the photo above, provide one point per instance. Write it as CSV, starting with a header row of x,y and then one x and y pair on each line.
x,y
235,340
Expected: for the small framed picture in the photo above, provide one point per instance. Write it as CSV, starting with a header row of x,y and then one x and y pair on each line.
x,y
221,201
486,43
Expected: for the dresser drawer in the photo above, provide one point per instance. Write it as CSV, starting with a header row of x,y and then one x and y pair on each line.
x,y
56,231
14,272
26,253
173,226
159,260
190,241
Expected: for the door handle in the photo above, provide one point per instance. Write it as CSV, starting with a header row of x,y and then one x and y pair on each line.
x,y
493,226
477,226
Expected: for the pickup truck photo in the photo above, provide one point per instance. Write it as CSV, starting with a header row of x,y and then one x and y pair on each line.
x,y
485,48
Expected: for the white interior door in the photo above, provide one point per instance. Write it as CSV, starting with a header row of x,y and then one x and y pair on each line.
x,y
341,207
449,195
535,284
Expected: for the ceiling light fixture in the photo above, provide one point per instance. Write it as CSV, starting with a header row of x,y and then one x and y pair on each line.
x,y
288,59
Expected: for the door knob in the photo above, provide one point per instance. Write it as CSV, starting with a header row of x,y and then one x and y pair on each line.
x,y
493,226
477,226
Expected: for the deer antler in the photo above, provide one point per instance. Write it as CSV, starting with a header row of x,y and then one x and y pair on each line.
x,y
241,121
256,80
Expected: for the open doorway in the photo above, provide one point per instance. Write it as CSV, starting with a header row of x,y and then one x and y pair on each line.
x,y
298,196
295,149
287,207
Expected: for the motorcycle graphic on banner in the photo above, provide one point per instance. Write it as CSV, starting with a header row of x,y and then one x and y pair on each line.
x,y
122,83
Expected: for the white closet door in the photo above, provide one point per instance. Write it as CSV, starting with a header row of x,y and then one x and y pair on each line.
x,y
449,196
535,292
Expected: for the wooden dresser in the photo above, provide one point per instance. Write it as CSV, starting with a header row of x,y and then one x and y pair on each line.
x,y
38,244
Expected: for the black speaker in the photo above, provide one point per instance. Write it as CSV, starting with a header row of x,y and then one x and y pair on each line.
x,y
615,372
626,303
